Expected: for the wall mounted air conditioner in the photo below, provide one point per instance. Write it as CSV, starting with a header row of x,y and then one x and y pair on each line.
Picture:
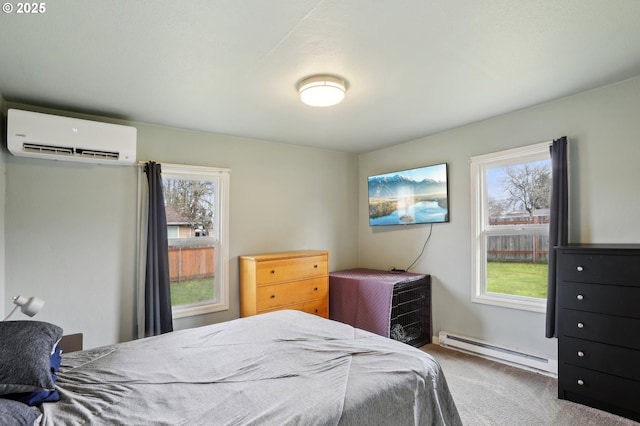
x,y
33,134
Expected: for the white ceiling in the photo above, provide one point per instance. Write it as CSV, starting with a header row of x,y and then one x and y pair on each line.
x,y
414,67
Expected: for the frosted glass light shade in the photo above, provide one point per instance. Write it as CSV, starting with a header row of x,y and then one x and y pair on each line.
x,y
322,90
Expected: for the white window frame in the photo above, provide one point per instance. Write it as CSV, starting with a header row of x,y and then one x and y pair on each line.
x,y
481,229
221,215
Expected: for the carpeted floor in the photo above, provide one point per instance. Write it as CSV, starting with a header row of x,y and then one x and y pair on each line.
x,y
489,393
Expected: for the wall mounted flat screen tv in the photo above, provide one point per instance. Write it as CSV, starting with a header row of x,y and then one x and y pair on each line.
x,y
406,197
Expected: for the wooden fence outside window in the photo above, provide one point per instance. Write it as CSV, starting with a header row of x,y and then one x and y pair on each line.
x,y
518,248
190,263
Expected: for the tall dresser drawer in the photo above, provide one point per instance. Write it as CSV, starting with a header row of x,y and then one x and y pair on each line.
x,y
602,298
291,269
281,295
619,331
605,388
599,356
600,269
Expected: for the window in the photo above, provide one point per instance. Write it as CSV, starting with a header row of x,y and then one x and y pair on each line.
x,y
197,209
511,196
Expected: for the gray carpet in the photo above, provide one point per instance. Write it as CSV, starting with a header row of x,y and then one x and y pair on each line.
x,y
489,393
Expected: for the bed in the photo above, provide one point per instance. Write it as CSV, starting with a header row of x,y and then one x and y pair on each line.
x,y
280,368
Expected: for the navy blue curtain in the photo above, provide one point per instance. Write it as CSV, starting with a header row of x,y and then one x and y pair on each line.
x,y
558,225
158,317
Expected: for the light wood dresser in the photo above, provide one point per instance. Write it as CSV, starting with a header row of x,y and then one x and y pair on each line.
x,y
290,280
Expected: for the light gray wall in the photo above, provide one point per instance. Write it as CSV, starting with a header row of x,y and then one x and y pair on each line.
x,y
70,229
70,240
604,149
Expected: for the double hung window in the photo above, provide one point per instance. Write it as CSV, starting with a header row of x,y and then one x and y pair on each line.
x,y
197,210
510,228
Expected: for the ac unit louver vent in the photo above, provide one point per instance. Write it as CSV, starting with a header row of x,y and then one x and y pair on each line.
x,y
105,155
63,150
47,149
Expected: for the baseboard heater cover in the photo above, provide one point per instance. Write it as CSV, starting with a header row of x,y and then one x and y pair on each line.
x,y
505,355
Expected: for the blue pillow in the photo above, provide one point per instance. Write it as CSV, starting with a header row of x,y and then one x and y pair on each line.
x,y
56,359
37,398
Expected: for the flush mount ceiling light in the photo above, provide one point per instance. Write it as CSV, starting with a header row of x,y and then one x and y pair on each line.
x,y
322,90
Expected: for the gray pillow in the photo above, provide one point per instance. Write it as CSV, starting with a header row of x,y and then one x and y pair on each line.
x,y
14,413
25,355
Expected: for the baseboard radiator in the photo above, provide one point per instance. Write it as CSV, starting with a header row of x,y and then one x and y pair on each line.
x,y
513,357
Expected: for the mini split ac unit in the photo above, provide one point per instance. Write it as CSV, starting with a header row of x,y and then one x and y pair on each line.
x,y
33,134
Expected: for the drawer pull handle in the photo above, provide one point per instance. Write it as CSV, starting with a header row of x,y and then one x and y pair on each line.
x,y
581,382
273,271
580,354
273,296
579,269
315,289
580,325
580,297
315,266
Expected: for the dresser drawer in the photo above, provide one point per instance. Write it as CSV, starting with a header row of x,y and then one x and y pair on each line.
x,y
601,298
279,295
620,331
600,357
318,307
604,388
274,271
623,269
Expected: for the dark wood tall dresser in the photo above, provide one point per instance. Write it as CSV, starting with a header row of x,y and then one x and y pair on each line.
x,y
599,326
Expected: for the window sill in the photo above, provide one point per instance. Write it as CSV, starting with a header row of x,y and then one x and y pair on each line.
x,y
512,302
193,310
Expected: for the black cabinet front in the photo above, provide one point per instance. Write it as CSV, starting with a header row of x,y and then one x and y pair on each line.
x,y
599,327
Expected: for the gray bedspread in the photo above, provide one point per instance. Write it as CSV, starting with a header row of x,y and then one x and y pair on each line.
x,y
280,368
